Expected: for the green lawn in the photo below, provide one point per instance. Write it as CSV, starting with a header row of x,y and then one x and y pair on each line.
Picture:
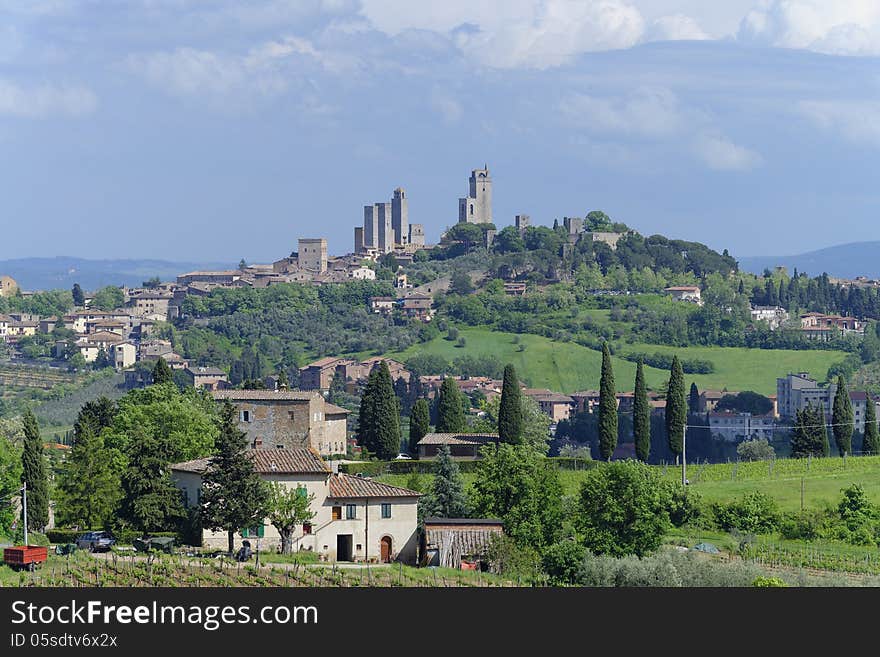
x,y
723,482
568,367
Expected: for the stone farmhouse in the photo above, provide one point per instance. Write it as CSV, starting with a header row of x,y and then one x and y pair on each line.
x,y
356,519
281,419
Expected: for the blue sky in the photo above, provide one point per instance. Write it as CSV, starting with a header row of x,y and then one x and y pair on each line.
x,y
214,130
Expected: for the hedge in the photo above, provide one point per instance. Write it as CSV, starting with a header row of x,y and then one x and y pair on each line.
x,y
379,468
123,536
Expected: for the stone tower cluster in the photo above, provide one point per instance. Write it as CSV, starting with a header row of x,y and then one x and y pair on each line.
x,y
386,227
476,208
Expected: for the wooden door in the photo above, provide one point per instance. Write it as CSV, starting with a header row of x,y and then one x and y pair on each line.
x,y
386,549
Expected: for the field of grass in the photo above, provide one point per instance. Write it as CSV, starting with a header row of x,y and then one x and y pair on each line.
x,y
722,482
569,367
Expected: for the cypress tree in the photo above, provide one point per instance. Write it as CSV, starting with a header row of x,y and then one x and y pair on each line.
x,y
161,372
234,496
809,435
447,498
871,444
89,484
419,423
34,473
694,400
366,414
450,412
641,416
510,420
676,408
842,418
283,380
386,415
79,299
607,407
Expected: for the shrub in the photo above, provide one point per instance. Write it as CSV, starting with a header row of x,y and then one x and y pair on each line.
x,y
688,508
806,526
762,581
755,512
506,558
755,450
562,561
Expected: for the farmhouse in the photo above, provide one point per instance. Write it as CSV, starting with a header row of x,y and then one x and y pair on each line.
x,y
689,293
356,519
281,419
465,446
209,378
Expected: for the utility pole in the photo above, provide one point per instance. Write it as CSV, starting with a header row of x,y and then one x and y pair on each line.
x,y
683,456
24,509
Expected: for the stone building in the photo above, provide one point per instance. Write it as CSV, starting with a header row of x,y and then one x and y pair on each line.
x,y
476,207
312,254
400,217
8,286
521,221
417,235
356,519
208,378
281,419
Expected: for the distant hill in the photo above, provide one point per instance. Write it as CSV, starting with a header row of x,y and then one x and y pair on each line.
x,y
842,261
63,271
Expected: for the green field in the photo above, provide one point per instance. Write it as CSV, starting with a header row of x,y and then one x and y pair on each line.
x,y
723,482
569,367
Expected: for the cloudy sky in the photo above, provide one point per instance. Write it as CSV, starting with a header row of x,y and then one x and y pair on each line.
x,y
214,129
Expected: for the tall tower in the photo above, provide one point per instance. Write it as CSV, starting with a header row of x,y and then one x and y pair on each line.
x,y
476,208
385,239
400,217
313,254
371,226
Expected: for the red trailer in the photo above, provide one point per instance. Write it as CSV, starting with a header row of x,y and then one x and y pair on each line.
x,y
25,556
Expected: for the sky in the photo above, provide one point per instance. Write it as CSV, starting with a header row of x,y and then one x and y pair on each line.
x,y
214,130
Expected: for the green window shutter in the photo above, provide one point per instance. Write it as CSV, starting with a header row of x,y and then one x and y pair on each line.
x,y
244,533
260,531
301,491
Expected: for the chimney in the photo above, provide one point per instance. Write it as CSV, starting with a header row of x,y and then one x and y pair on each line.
x,y
334,467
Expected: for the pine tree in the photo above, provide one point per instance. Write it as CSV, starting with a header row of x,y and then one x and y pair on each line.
x,y
450,411
386,411
89,484
607,407
234,496
676,408
419,424
842,418
79,299
510,420
641,416
150,501
34,473
447,497
694,400
871,444
162,372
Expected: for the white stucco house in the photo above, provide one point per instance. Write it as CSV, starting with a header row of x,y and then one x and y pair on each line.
x,y
356,519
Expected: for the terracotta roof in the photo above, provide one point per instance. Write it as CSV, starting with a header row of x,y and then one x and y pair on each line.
x,y
324,362
458,439
682,288
333,409
205,371
264,395
463,521
295,460
345,485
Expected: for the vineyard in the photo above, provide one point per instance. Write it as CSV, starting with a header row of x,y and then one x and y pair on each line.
x,y
116,570
20,376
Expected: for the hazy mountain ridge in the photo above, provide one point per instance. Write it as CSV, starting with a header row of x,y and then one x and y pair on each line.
x,y
63,271
843,261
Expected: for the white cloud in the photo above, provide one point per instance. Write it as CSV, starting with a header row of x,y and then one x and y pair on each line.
x,y
446,106
721,154
676,27
857,121
45,100
850,27
652,113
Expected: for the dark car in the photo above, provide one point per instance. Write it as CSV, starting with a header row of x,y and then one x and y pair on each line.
x,y
95,541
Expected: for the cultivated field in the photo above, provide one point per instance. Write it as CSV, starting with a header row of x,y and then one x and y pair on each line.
x,y
569,367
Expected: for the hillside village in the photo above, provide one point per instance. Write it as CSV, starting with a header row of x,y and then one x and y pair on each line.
x,y
229,349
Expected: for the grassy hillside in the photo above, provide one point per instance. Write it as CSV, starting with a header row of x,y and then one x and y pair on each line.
x,y
568,367
723,482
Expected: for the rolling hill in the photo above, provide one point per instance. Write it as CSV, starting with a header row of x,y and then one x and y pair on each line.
x,y
843,261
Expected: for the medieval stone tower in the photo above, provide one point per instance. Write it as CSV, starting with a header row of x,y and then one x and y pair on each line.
x,y
477,207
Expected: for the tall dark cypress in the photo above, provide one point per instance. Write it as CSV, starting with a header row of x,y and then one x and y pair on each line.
x,y
871,444
510,420
676,407
386,416
162,372
641,416
607,407
694,400
842,418
34,473
367,413
419,423
450,412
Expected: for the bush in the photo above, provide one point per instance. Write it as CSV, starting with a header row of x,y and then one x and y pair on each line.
x,y
65,535
755,512
506,558
762,581
755,450
688,508
562,561
806,526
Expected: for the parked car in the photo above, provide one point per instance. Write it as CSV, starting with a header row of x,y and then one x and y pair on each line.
x,y
403,457
95,541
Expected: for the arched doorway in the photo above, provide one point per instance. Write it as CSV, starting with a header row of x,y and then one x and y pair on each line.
x,y
386,549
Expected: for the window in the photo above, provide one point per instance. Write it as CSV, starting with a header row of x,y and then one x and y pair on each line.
x,y
350,512
185,496
302,491
336,513
290,415
307,528
253,532
386,510
245,416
